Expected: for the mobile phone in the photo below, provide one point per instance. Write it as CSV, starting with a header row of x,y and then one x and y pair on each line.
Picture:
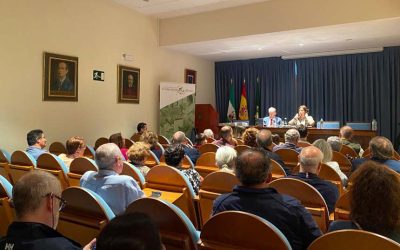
x,y
155,194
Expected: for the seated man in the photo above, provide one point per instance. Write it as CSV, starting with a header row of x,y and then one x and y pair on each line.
x,y
141,128
272,120
208,133
346,136
291,139
310,160
118,191
37,202
227,139
180,138
335,142
254,196
303,131
381,152
36,142
75,148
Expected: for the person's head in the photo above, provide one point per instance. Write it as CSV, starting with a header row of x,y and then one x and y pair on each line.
x,y
226,133
292,136
149,137
381,148
208,133
249,137
109,157
335,142
130,80
302,111
276,139
36,138
75,146
174,155
118,140
225,157
130,231
138,153
325,149
253,168
374,198
37,198
62,70
272,112
264,139
346,132
303,131
141,127
201,139
310,159
179,137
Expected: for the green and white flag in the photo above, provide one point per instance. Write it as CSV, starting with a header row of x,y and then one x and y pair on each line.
x,y
231,114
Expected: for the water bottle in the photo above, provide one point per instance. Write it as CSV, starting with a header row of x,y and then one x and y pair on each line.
x,y
321,123
285,121
374,125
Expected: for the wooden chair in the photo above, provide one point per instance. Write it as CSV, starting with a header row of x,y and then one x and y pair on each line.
x,y
176,230
152,160
329,174
190,143
366,153
353,240
344,163
136,137
308,196
346,150
135,173
6,214
100,141
78,167
210,140
214,185
289,157
89,152
174,187
342,207
303,144
54,165
240,230
163,141
208,147
277,170
239,141
21,163
241,148
85,214
57,148
205,164
161,147
5,159
186,162
128,143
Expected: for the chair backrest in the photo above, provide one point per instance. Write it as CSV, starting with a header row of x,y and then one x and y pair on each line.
x,y
289,156
208,147
308,196
54,165
135,137
89,152
353,240
100,141
163,140
239,141
78,167
6,215
21,163
161,147
210,140
205,164
84,216
240,230
342,207
152,160
343,161
5,159
240,148
329,125
187,163
176,230
329,174
135,173
57,148
277,170
303,144
213,186
366,153
346,150
128,143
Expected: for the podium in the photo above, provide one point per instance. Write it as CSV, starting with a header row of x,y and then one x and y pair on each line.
x,y
206,117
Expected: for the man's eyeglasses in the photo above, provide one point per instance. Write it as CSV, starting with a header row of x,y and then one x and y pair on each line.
x,y
63,202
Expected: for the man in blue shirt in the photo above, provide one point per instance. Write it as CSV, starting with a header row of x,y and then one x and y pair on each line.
x,y
272,120
118,191
255,197
36,142
180,138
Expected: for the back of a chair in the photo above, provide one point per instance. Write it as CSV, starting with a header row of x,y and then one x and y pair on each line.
x,y
57,148
6,215
329,174
5,159
353,240
176,230
89,152
189,142
128,143
135,173
240,230
308,196
366,153
213,186
205,164
100,141
303,144
289,157
210,140
78,167
277,170
54,165
342,207
187,163
208,147
136,137
84,216
241,148
152,160
344,163
163,140
21,163
346,150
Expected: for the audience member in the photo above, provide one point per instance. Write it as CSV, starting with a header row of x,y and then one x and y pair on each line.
x,y
36,142
151,138
141,128
180,138
118,140
75,148
302,118
130,231
374,201
173,157
249,137
346,136
225,159
276,139
254,196
227,139
201,139
208,133
382,152
272,120
291,139
335,142
303,132
138,154
310,160
118,191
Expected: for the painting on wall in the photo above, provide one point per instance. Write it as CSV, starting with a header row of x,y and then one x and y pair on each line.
x,y
128,84
190,76
60,81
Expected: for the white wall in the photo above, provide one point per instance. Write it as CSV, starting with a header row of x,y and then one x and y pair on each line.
x,y
98,32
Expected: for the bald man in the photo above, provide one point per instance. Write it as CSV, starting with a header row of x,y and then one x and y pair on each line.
x,y
310,160
346,136
180,138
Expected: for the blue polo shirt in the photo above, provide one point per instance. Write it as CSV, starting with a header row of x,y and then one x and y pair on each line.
x,y
392,164
35,152
283,211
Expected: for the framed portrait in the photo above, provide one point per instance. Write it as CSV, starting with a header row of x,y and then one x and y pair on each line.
x,y
60,81
128,84
190,76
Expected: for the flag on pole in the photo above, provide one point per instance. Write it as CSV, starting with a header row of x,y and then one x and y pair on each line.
x,y
258,99
243,114
231,115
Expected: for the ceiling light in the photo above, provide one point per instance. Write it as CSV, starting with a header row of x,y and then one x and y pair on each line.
x,y
301,44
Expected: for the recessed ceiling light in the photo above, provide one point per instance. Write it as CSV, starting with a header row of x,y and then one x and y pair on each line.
x,y
259,48
301,44
348,40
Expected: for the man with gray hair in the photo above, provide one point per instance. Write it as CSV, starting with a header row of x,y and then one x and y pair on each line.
x,y
335,142
180,138
272,120
346,136
118,191
310,160
291,139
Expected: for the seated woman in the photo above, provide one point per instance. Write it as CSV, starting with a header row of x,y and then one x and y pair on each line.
x,y
201,139
225,159
120,142
75,148
151,138
327,151
374,201
302,118
249,137
138,154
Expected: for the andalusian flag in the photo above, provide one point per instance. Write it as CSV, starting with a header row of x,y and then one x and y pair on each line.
x,y
243,114
231,115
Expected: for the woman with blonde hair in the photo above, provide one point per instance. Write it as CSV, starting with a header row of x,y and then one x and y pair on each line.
x,y
151,138
225,159
138,154
249,137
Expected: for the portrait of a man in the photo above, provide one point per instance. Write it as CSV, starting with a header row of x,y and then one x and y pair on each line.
x,y
62,81
129,84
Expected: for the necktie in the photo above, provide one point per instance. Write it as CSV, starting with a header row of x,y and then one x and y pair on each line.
x,y
270,122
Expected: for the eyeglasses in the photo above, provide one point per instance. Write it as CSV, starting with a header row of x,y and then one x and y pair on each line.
x,y
63,202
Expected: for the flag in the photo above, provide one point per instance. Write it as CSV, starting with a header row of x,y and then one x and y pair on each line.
x,y
243,114
258,99
231,115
